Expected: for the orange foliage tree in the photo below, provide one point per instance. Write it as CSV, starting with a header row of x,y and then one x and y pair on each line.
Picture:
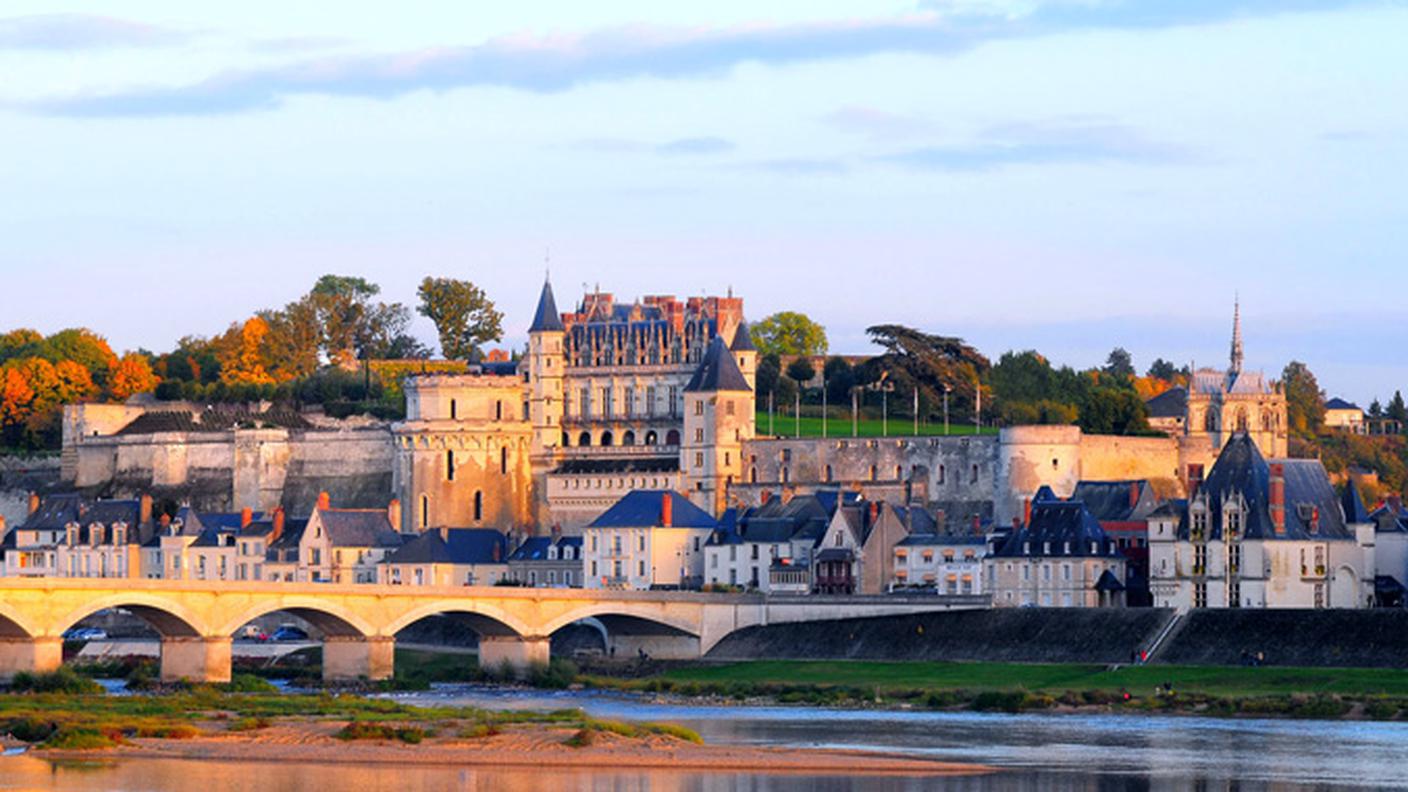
x,y
132,375
242,354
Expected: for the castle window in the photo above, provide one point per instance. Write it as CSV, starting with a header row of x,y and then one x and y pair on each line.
x,y
1210,421
498,411
607,439
651,438
752,475
629,438
630,403
503,460
478,505
1242,423
698,435
699,407
449,465
452,409
942,474
728,407
699,460
674,401
672,438
584,439
650,400
873,473
566,441
899,472
786,475
975,474
827,474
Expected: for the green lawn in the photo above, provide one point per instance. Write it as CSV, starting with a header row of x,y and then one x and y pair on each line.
x,y
840,427
1055,678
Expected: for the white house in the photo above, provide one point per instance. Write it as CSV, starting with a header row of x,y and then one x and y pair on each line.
x,y
648,539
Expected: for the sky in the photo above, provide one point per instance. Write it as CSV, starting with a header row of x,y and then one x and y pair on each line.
x,y
1063,175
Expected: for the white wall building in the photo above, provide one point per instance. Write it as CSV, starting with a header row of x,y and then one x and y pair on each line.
x,y
649,539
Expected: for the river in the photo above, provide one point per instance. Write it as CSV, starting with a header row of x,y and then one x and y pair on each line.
x,y
1033,752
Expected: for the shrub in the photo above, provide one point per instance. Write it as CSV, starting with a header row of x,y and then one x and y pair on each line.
x,y
248,724
479,731
173,731
998,701
30,730
361,730
581,739
1378,709
557,674
83,739
60,680
248,683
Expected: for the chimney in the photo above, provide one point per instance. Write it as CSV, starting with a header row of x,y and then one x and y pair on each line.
x,y
1016,524
1133,494
977,524
33,502
1396,503
1027,512
764,497
246,517
941,520
556,531
874,511
1278,498
667,511
324,501
393,514
1195,480
165,524
145,509
445,534
498,552
278,529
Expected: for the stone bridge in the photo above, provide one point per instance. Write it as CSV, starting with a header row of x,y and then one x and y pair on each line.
x,y
197,620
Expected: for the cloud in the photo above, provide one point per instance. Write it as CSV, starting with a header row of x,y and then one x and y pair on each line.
x,y
878,124
798,166
561,62
298,44
81,31
1059,143
695,145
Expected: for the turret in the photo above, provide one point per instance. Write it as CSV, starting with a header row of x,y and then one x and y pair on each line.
x,y
546,364
745,354
718,417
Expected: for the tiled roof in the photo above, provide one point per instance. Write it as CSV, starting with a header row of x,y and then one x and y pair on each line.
x,y
742,339
1353,505
717,372
534,548
212,420
1109,501
1340,404
55,512
546,318
465,546
358,528
641,509
1059,528
1172,403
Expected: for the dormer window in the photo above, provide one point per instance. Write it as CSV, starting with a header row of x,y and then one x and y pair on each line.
x,y
1046,548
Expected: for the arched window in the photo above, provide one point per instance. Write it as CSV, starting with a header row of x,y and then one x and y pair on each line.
x,y
827,474
498,411
942,473
786,475
753,476
1265,421
1210,421
503,460
478,505
566,441
1242,423
584,439
449,465
874,472
607,439
453,411
899,472
672,438
424,511
629,438
651,438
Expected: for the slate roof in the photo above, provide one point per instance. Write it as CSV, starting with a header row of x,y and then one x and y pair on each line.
x,y
717,372
534,548
358,528
285,548
1353,505
1109,500
1340,404
225,521
1058,529
1172,403
742,339
1387,521
212,420
1108,582
1312,509
54,513
641,509
546,319
622,465
464,546
938,539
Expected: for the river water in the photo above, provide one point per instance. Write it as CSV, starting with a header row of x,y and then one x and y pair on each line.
x,y
1033,752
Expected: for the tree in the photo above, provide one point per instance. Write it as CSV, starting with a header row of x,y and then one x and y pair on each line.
x,y
82,346
1119,364
291,347
241,354
840,377
1164,370
1376,410
769,372
1113,410
914,360
1397,410
801,371
464,316
1305,402
132,375
789,333
21,343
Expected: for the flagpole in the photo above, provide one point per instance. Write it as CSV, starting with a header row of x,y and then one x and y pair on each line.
x,y
855,417
797,411
916,410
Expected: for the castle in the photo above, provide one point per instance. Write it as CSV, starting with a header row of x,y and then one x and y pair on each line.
x,y
610,398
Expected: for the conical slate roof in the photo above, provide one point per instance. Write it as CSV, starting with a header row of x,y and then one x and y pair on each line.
x,y
717,372
742,339
546,319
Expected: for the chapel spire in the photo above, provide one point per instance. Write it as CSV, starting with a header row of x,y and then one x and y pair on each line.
x,y
1236,337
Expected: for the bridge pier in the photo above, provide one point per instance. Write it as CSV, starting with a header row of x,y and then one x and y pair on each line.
x,y
195,659
346,659
517,652
35,655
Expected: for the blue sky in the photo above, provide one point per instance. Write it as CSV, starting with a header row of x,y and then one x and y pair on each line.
x,y
1064,175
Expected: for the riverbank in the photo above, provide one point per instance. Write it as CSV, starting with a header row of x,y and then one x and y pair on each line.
x,y
1322,693
209,724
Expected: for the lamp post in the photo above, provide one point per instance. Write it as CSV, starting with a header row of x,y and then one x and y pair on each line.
x,y
947,390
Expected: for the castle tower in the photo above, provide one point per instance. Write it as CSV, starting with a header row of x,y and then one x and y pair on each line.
x,y
718,417
745,354
546,367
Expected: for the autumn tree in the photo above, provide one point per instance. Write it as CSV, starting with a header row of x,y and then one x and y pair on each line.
x,y
21,343
464,316
82,346
132,375
351,325
1305,402
789,333
241,351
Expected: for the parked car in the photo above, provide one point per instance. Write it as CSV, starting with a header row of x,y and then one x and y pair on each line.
x,y
85,634
288,633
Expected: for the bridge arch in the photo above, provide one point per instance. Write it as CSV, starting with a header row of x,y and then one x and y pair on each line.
x,y
12,625
168,617
624,613
323,613
483,619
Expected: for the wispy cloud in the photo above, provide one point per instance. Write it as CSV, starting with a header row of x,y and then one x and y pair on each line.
x,y
679,147
81,31
299,44
798,166
695,145
879,124
560,62
1057,143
